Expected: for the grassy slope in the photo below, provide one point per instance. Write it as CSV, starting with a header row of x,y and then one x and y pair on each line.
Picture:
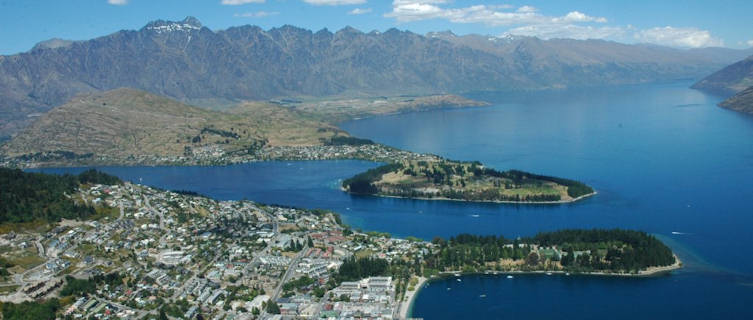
x,y
126,122
742,101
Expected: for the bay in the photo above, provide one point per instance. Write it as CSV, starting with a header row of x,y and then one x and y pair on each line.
x,y
664,159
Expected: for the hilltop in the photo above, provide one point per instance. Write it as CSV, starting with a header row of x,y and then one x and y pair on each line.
x,y
735,82
729,80
126,123
742,101
186,61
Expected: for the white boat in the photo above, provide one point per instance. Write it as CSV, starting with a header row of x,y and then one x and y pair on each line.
x,y
549,273
482,296
459,280
475,215
510,277
457,274
567,274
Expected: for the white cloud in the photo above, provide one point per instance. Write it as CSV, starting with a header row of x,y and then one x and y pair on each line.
x,y
118,2
415,10
239,2
334,2
257,14
749,43
576,16
529,21
525,9
358,11
678,37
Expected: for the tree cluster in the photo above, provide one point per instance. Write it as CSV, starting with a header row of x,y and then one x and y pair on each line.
x,y
26,197
355,269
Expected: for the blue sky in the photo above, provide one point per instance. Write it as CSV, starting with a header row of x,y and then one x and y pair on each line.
x,y
671,23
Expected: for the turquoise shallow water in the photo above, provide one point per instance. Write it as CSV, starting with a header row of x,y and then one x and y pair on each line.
x,y
663,157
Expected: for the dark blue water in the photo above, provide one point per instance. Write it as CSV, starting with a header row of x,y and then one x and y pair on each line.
x,y
664,158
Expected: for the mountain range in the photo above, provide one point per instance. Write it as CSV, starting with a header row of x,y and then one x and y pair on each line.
x,y
186,61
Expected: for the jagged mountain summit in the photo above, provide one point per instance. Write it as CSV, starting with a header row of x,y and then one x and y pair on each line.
x,y
186,61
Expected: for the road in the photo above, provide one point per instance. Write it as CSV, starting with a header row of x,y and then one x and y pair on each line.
x,y
289,272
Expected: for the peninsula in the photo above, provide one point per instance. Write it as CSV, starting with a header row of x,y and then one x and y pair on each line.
x,y
440,179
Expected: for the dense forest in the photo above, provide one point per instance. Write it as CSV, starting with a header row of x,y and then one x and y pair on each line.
x,y
26,196
363,183
347,141
27,310
354,269
569,250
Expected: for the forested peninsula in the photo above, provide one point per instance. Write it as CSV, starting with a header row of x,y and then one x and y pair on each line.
x,y
469,181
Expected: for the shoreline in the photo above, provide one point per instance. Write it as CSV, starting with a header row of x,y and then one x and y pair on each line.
x,y
479,201
649,272
406,307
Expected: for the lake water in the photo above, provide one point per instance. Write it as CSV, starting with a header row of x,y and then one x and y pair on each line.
x,y
663,158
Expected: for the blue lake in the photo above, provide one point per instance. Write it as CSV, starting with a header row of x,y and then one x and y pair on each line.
x,y
663,158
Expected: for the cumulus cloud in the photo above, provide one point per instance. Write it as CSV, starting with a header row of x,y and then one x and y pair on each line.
x,y
334,2
256,14
358,11
239,2
118,2
678,37
525,9
415,10
525,20
530,21
576,16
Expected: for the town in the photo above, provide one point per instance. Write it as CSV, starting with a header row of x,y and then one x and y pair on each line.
x,y
216,155
154,252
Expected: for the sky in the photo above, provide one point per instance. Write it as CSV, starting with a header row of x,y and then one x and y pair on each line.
x,y
683,24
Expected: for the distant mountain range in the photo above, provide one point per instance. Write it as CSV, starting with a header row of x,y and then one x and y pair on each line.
x,y
185,61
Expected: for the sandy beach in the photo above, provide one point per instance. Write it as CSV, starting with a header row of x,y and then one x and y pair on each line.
x,y
405,306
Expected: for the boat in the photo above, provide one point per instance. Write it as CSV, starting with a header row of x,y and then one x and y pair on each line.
x,y
457,274
475,215
482,296
567,274
459,280
549,273
510,277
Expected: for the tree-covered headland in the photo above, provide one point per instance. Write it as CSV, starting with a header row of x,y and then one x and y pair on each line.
x,y
445,179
